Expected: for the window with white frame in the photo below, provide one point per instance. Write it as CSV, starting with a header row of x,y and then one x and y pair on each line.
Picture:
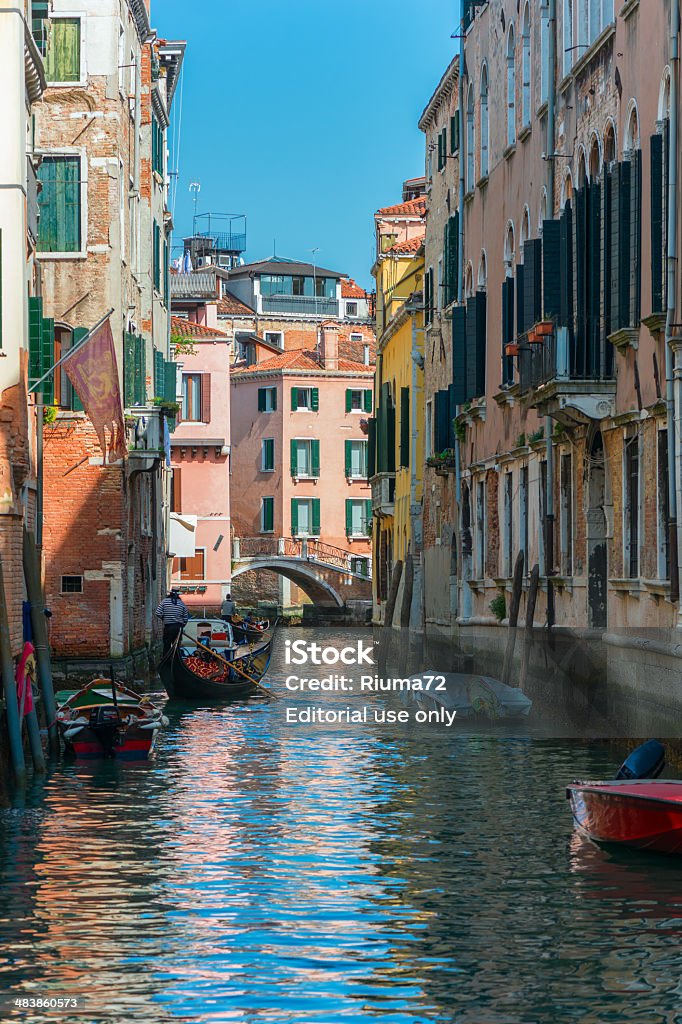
x,y
275,338
544,53
63,58
356,460
305,458
358,517
511,87
593,17
351,309
60,203
525,66
267,455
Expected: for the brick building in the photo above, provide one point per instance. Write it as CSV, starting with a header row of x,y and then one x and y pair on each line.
x,y
558,340
103,244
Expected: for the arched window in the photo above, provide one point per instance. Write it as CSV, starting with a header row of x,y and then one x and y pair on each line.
x,y
485,122
525,228
483,272
511,87
567,189
471,141
609,144
509,249
469,281
595,158
664,96
582,169
632,132
542,216
525,66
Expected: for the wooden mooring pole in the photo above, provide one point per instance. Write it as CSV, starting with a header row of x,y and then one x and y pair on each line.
x,y
517,588
530,616
34,589
10,689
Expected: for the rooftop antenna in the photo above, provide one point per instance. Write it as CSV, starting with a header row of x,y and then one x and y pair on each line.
x,y
195,189
314,253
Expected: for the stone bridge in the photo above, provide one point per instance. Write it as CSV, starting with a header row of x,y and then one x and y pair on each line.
x,y
328,575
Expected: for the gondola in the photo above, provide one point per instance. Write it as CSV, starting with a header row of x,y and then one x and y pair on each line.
x,y
248,632
107,720
193,671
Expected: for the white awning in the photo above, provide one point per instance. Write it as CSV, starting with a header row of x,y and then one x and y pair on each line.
x,y
183,534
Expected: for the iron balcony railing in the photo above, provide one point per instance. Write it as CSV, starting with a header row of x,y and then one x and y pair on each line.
x,y
225,241
563,355
297,547
306,304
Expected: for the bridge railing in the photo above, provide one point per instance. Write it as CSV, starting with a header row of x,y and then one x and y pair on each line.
x,y
304,548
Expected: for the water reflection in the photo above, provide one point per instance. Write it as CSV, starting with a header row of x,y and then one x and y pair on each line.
x,y
260,872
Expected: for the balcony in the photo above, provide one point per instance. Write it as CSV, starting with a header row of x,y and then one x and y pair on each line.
x,y
32,208
383,494
571,379
300,305
144,435
224,241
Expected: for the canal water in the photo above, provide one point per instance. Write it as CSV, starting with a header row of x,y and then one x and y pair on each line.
x,y
259,871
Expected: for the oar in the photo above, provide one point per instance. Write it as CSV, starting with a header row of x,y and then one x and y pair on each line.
x,y
232,664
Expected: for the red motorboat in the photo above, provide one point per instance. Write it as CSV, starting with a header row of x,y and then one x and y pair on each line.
x,y
644,813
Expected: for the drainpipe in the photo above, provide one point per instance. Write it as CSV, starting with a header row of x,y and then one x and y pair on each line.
x,y
549,425
466,601
416,621
671,304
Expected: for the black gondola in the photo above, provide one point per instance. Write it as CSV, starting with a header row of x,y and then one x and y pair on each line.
x,y
248,632
247,666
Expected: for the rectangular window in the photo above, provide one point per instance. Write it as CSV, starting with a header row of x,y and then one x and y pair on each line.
x,y
356,460
545,562
351,310
305,399
358,517
305,457
508,524
267,515
63,60
523,515
480,529
428,430
156,256
158,147
60,204
631,510
305,517
566,484
72,584
267,455
267,399
663,507
176,490
275,338
358,400
191,397
360,566
193,568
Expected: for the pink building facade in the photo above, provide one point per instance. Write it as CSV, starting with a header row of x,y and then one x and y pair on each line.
x,y
200,446
300,449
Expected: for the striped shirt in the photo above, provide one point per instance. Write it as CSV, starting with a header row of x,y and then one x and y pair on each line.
x,y
172,613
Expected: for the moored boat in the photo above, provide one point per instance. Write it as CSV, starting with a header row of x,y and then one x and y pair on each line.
x,y
207,669
249,630
644,813
107,720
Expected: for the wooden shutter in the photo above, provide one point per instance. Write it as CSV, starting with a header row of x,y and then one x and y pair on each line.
x,y
368,516
367,399
156,255
273,392
442,426
294,516
77,336
605,249
593,352
405,427
521,325
176,490
580,257
657,213
459,354
35,337
454,132
440,151
636,238
261,399
140,370
452,412
315,399
47,359
446,263
348,453
315,456
532,281
551,274
206,398
566,267
170,387
349,399
349,517
390,438
371,446
507,329
294,399
316,517
128,369
293,447
159,379
268,515
454,256
620,245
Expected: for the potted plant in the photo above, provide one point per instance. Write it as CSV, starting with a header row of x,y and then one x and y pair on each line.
x,y
544,329
498,606
512,349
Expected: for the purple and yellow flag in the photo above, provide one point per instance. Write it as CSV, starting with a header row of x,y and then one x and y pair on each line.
x,y
93,372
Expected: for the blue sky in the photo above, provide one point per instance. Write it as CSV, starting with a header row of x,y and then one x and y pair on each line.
x,y
303,115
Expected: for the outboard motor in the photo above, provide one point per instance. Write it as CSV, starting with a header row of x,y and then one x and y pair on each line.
x,y
105,723
645,762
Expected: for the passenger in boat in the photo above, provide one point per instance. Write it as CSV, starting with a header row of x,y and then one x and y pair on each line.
x,y
228,608
174,615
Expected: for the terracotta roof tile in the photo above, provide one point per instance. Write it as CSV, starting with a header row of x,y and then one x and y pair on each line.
x,y
412,245
413,208
300,359
231,306
351,290
189,329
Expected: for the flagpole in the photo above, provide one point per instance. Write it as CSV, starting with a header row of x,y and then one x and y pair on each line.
x,y
71,352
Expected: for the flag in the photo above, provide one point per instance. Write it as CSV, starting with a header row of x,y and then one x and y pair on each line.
x,y
93,371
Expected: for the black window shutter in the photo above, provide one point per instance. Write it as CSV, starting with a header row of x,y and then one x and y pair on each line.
x,y
371,446
620,245
442,425
452,412
459,352
446,262
481,300
454,255
605,208
636,238
579,259
507,329
405,427
657,207
593,198
532,281
551,268
475,347
566,267
520,305
390,437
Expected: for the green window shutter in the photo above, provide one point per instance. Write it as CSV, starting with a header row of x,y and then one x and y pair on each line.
x,y
315,399
294,516
35,338
274,399
657,213
349,517
459,353
129,369
445,143
294,399
440,151
316,517
166,274
261,399
371,447
521,324
566,267
159,377
405,427
315,456
454,132
349,403
140,370
390,438
348,446
170,384
367,400
78,334
293,447
268,515
47,360
156,256
63,61
551,277
476,345
532,281
507,329
442,426
636,238
59,228
368,516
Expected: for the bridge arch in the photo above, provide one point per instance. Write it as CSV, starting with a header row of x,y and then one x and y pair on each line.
x,y
305,577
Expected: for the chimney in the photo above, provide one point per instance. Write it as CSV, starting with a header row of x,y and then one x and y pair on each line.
x,y
329,347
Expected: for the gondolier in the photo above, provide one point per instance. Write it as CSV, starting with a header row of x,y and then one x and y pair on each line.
x,y
228,608
173,613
